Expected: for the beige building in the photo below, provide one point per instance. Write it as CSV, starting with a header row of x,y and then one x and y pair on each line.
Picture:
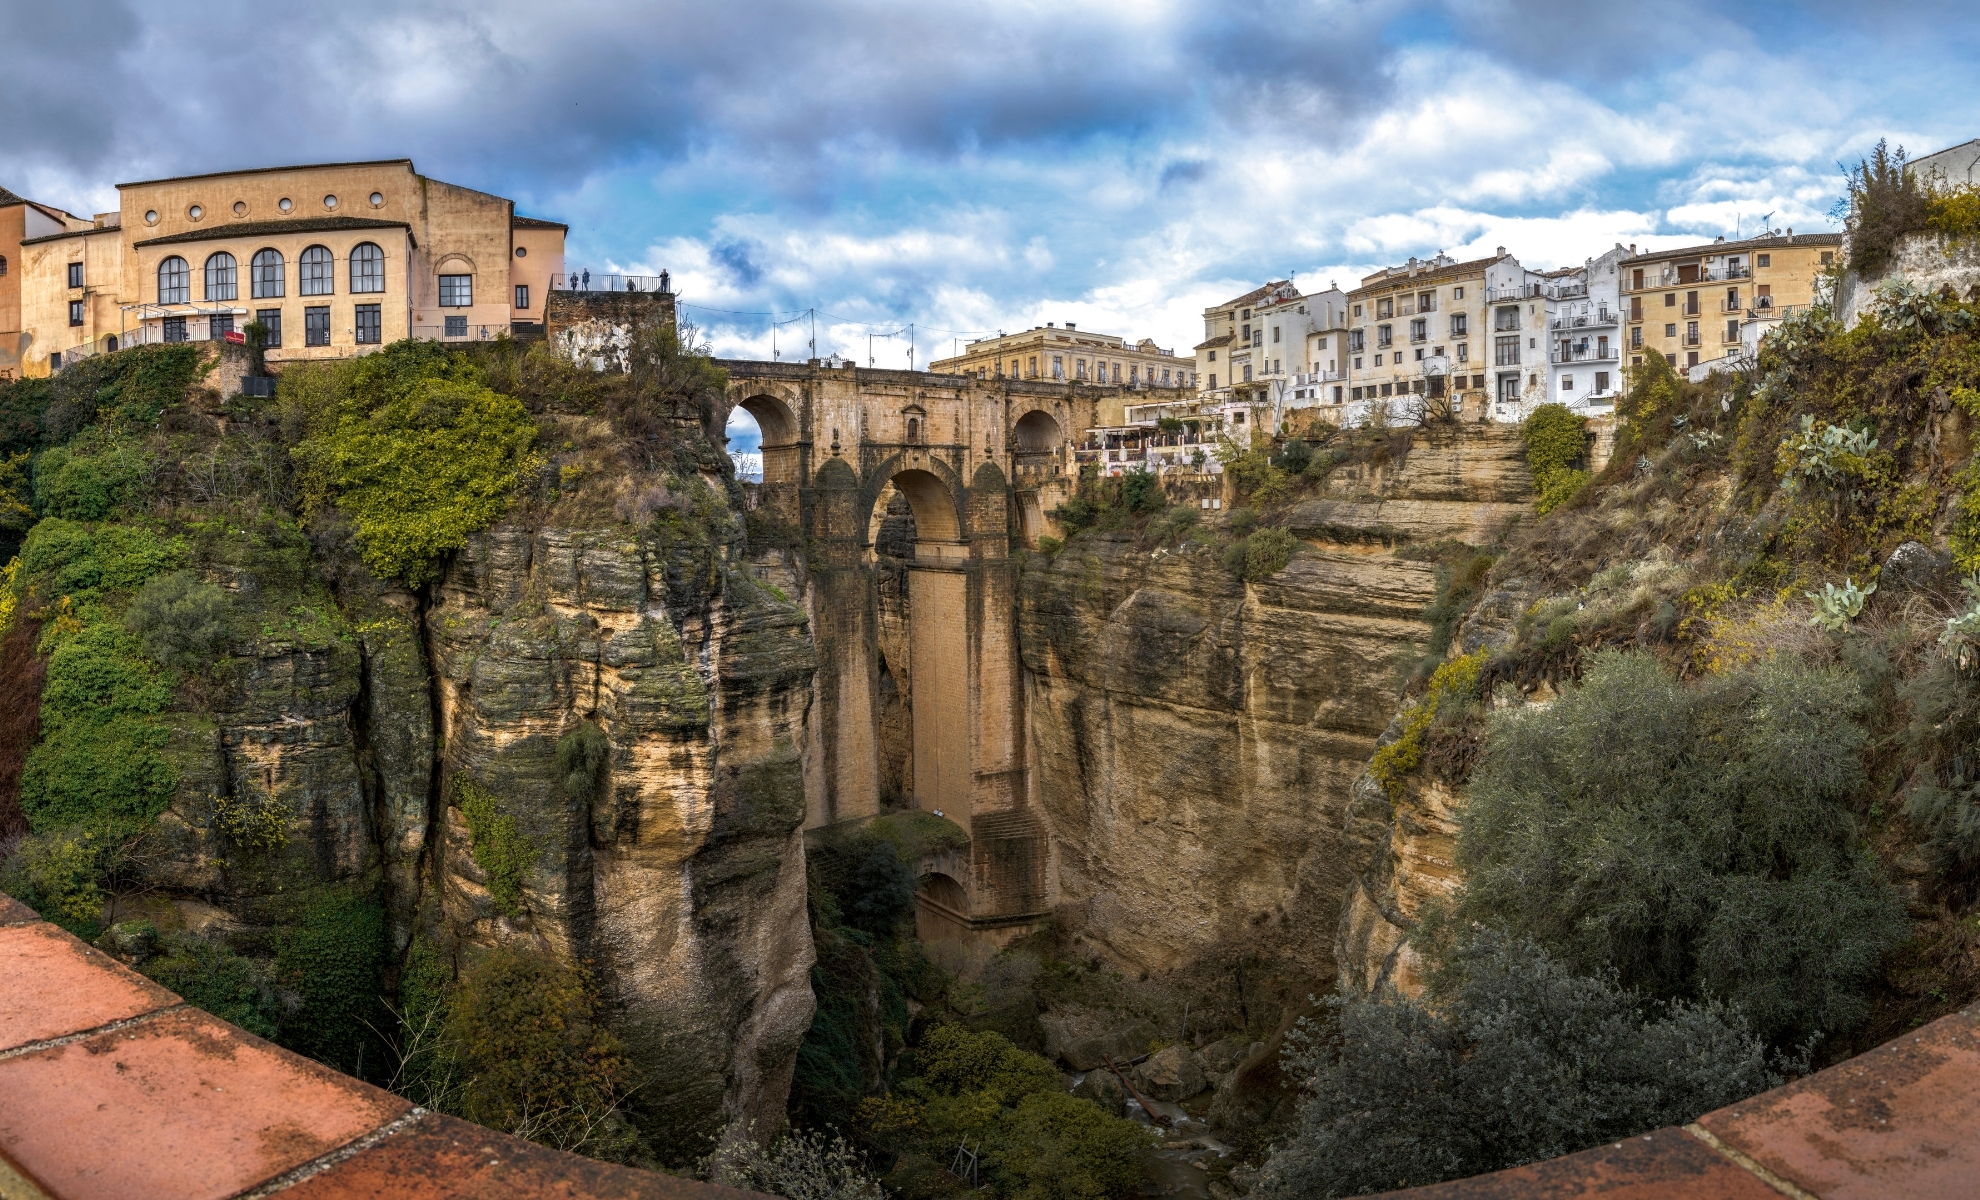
x,y
1068,355
22,220
1692,304
331,259
1439,331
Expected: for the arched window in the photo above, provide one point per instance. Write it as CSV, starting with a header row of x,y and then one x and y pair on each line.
x,y
367,268
266,269
319,276
222,277
914,430
174,281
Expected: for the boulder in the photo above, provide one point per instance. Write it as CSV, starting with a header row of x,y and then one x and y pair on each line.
x,y
1221,1055
1915,565
1174,1074
1086,1052
1103,1089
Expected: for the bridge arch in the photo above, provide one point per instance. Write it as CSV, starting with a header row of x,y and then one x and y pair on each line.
x,y
933,490
774,409
1037,431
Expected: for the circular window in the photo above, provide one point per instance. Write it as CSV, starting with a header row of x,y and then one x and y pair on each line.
x,y
195,212
522,251
285,204
240,208
151,216
329,202
377,199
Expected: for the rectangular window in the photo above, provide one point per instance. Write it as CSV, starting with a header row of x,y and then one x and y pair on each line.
x,y
316,325
1691,358
1388,389
1460,324
1732,299
370,326
270,320
55,361
1419,330
1425,301
1828,258
1275,335
1378,360
1670,329
1767,260
1636,279
1457,293
1567,383
1507,318
1464,352
1213,381
1636,308
1247,372
1322,343
1357,310
1670,299
1385,308
75,312
1246,336
75,275
456,291
1357,364
456,326
1505,351
1385,335
1213,356
1732,331
175,329
1358,341
1478,381
1034,366
1691,333
522,295
1357,393
1636,337
1601,383
1691,304
218,326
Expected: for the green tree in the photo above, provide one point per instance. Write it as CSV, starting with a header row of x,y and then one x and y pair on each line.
x,y
1697,840
1516,1060
1556,442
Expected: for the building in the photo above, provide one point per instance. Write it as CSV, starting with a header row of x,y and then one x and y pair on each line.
x,y
1068,354
1438,333
22,220
1584,332
330,259
1956,166
1691,304
1230,359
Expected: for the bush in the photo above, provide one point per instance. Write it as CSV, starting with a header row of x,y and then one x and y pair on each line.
x,y
181,619
535,1059
583,755
1944,738
56,875
99,474
504,855
1887,200
1294,457
1057,1146
100,764
329,958
210,976
1262,555
872,889
414,448
797,1166
1696,839
1556,440
1519,1060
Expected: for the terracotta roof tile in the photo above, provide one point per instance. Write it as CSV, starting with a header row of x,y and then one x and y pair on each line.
x,y
1903,1119
249,229
181,1104
441,1158
1664,1164
55,986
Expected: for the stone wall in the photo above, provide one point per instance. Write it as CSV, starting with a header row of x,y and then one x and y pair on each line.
x,y
1930,262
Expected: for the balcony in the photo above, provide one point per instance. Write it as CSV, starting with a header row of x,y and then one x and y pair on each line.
x,y
1319,377
1587,354
1566,291
585,281
1501,295
1721,274
1690,339
1601,318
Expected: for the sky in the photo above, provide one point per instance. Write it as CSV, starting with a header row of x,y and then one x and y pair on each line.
x,y
968,168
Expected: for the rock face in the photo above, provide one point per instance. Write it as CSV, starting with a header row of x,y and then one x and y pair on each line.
x,y
681,875
1172,1074
1198,739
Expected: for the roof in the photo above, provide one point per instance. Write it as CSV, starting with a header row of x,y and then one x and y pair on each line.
x,y
376,162
1770,242
9,199
1251,297
67,233
1405,280
272,228
1956,163
1215,341
522,222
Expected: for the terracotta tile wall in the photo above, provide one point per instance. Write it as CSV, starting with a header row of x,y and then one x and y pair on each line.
x,y
111,1088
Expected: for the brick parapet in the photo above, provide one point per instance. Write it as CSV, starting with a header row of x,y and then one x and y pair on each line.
x,y
112,1087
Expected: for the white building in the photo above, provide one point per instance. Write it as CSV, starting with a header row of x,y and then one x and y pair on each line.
x,y
1584,333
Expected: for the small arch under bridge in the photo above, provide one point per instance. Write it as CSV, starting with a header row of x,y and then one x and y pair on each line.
x,y
910,490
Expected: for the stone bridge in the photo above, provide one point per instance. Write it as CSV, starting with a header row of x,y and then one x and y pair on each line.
x,y
911,490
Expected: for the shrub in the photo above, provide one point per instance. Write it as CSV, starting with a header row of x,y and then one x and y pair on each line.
x,y
329,956
1556,440
210,976
536,1060
583,755
414,448
56,875
797,1166
1696,839
1887,200
1519,1060
1056,1146
504,855
1451,686
1049,546
872,889
100,763
1836,607
1944,737
95,476
1266,553
1141,492
1295,456
181,619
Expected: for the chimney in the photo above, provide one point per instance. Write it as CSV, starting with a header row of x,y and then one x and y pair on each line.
x,y
1051,324
1790,233
1502,252
1070,325
1632,249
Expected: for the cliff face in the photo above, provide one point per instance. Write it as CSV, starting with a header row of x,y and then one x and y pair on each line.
x,y
683,880
1199,739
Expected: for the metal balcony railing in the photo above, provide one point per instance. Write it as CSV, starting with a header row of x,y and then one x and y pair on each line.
x,y
1599,318
1590,354
1566,291
585,281
1523,291
462,332
1721,274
